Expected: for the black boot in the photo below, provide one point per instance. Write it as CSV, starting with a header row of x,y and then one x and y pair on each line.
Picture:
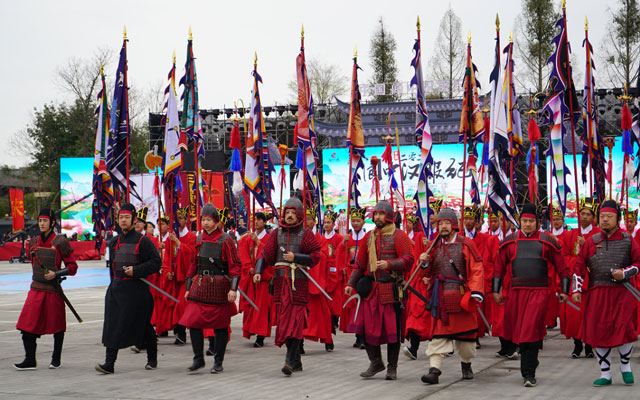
x,y
301,341
577,348
467,372
289,359
393,352
412,351
432,377
259,341
197,344
296,358
588,351
109,362
211,351
220,348
58,339
375,361
181,335
329,347
152,349
358,341
29,343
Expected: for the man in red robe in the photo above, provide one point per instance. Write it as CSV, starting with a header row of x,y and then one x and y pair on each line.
x,y
346,258
254,322
453,272
43,312
211,290
570,318
163,307
290,247
609,259
185,257
335,281
527,255
563,237
380,269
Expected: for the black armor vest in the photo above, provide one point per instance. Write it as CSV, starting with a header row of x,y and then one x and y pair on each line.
x,y
126,255
44,258
609,254
529,269
210,256
446,255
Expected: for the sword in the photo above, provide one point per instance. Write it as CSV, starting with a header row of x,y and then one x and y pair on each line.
x,y
634,291
243,294
484,318
358,298
159,290
304,271
421,266
570,303
56,284
418,294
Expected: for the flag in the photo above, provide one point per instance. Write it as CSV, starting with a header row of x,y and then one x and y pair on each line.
x,y
305,136
500,192
172,149
423,140
593,145
258,164
553,114
17,209
103,196
355,137
471,121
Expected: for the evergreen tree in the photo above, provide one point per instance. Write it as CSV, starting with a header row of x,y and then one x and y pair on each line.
x,y
383,61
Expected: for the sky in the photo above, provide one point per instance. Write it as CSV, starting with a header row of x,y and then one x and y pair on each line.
x,y
36,37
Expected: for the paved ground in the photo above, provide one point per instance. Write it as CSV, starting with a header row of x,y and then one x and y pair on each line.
x,y
255,373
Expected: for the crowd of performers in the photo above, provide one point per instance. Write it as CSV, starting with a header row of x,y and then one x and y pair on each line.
x,y
385,285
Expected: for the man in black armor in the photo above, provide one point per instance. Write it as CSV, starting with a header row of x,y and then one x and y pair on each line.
x,y
128,304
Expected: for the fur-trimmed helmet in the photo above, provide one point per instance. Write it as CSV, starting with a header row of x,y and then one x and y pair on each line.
x,y
211,211
385,207
295,204
447,214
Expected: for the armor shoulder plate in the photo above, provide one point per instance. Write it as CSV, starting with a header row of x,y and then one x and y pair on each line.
x,y
62,244
509,239
473,249
545,237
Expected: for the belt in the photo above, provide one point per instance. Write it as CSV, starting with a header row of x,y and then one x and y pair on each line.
x,y
210,272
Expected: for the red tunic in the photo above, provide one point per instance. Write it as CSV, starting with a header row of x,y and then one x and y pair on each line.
x,y
318,325
525,307
335,280
570,318
163,306
345,258
608,310
480,239
496,313
255,322
377,322
155,279
212,316
419,320
185,257
290,316
44,311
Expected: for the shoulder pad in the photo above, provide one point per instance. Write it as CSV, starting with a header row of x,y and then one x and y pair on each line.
x,y
596,237
472,247
509,239
62,243
545,237
626,235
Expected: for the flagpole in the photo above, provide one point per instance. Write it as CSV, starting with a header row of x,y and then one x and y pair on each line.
x,y
388,139
355,60
126,106
404,219
589,105
304,151
570,87
468,127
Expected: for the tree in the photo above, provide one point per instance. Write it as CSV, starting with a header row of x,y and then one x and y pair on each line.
x,y
535,31
326,82
622,44
449,57
383,61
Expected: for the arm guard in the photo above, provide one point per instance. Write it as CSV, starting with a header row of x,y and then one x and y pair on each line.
x,y
62,272
189,281
260,266
301,258
565,285
353,279
496,284
630,272
234,283
577,284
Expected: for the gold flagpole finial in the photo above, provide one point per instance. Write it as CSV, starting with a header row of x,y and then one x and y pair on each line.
x,y
510,37
497,21
418,24
564,4
355,52
302,32
469,37
586,23
101,69
255,58
190,33
124,33
174,56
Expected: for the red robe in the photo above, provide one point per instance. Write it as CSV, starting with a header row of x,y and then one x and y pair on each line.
x,y
525,308
496,313
419,320
570,318
345,258
43,312
335,280
318,326
185,257
555,307
163,307
212,316
480,240
255,322
155,279
609,313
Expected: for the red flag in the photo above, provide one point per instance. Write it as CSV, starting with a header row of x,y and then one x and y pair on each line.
x,y
17,209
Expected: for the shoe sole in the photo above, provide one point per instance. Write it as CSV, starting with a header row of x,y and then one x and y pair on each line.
x,y
102,370
24,369
529,384
287,371
51,366
409,354
213,371
372,375
149,367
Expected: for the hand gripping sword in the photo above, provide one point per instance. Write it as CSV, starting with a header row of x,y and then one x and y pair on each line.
x,y
570,303
243,294
421,266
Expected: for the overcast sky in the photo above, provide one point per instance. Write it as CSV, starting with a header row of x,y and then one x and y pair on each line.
x,y
36,37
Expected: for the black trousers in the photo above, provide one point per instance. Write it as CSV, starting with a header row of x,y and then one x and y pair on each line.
x,y
529,358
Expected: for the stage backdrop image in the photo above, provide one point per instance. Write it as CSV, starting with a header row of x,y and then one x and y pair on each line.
x,y
76,180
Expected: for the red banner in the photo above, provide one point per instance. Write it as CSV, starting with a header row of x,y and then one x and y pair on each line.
x,y
214,191
17,209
